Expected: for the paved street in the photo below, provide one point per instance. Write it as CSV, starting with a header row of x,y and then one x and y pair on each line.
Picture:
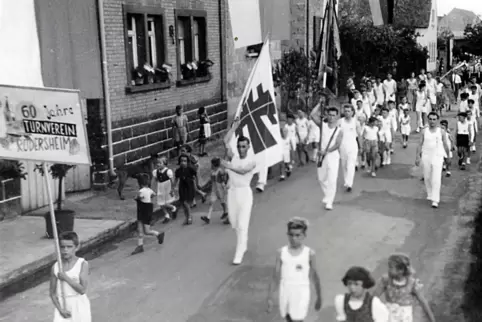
x,y
190,278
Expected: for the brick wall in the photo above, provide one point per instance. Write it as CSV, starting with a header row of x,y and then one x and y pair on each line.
x,y
141,121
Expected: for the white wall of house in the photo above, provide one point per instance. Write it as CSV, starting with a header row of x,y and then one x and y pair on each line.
x,y
428,38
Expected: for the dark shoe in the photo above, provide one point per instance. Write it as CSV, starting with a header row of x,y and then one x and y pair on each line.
x,y
138,250
188,221
288,173
194,205
174,214
226,221
160,238
206,219
224,216
356,168
203,199
448,174
166,220
282,178
348,189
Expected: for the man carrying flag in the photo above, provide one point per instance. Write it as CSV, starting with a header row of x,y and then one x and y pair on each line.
x,y
252,146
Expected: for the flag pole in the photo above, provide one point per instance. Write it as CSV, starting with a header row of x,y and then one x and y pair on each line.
x,y
53,221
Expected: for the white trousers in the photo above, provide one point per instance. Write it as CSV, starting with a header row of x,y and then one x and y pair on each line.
x,y
240,203
348,155
432,176
328,175
262,178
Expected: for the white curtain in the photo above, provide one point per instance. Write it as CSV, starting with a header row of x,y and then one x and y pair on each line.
x,y
20,54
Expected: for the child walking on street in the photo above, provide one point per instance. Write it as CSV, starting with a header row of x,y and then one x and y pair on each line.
x,y
75,277
302,133
294,272
291,134
370,141
401,289
162,179
358,305
144,214
286,146
185,182
193,162
405,126
444,124
219,180
463,131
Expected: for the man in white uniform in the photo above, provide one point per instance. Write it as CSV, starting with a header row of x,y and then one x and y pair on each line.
x,y
329,157
432,91
390,87
350,127
240,167
380,91
432,149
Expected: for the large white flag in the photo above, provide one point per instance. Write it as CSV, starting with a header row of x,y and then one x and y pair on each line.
x,y
258,114
245,22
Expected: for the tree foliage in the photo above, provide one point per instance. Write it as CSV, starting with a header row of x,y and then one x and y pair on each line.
x,y
57,171
11,170
369,49
473,37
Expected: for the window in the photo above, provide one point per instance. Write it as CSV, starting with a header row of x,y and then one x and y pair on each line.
x,y
191,40
145,48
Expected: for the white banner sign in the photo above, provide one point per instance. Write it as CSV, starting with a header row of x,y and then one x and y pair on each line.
x,y
42,124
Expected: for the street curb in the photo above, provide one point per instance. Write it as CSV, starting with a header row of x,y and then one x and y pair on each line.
x,y
37,272
456,256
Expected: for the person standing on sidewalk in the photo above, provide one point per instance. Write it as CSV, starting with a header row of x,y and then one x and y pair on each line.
x,y
432,149
329,157
349,146
240,167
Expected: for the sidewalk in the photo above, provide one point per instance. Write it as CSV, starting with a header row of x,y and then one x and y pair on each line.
x,y
25,253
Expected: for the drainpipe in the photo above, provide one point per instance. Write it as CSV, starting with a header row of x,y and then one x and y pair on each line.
x,y
105,78
223,51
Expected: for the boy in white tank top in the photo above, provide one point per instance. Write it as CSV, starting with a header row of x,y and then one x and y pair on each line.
x,y
463,136
294,273
444,124
386,135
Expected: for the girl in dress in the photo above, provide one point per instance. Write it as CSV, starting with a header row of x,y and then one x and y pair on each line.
x,y
411,90
372,94
180,128
162,179
358,305
70,299
144,214
302,134
362,118
204,130
219,181
401,289
186,178
193,162
294,273
405,126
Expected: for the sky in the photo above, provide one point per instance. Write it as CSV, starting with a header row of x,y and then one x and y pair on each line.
x,y
445,6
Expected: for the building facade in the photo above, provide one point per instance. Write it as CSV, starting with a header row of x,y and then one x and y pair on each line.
x,y
161,54
428,38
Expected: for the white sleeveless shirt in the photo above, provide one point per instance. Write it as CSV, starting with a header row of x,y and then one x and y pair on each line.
x,y
371,133
325,138
295,270
74,274
433,143
463,128
348,127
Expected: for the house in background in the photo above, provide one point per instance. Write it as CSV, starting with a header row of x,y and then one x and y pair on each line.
x,y
454,23
168,36
420,14
305,28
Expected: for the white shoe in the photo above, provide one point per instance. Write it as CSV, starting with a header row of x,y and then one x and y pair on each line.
x,y
434,204
329,206
238,258
374,174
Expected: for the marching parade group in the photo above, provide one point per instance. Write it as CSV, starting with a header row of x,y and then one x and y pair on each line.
x,y
364,138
